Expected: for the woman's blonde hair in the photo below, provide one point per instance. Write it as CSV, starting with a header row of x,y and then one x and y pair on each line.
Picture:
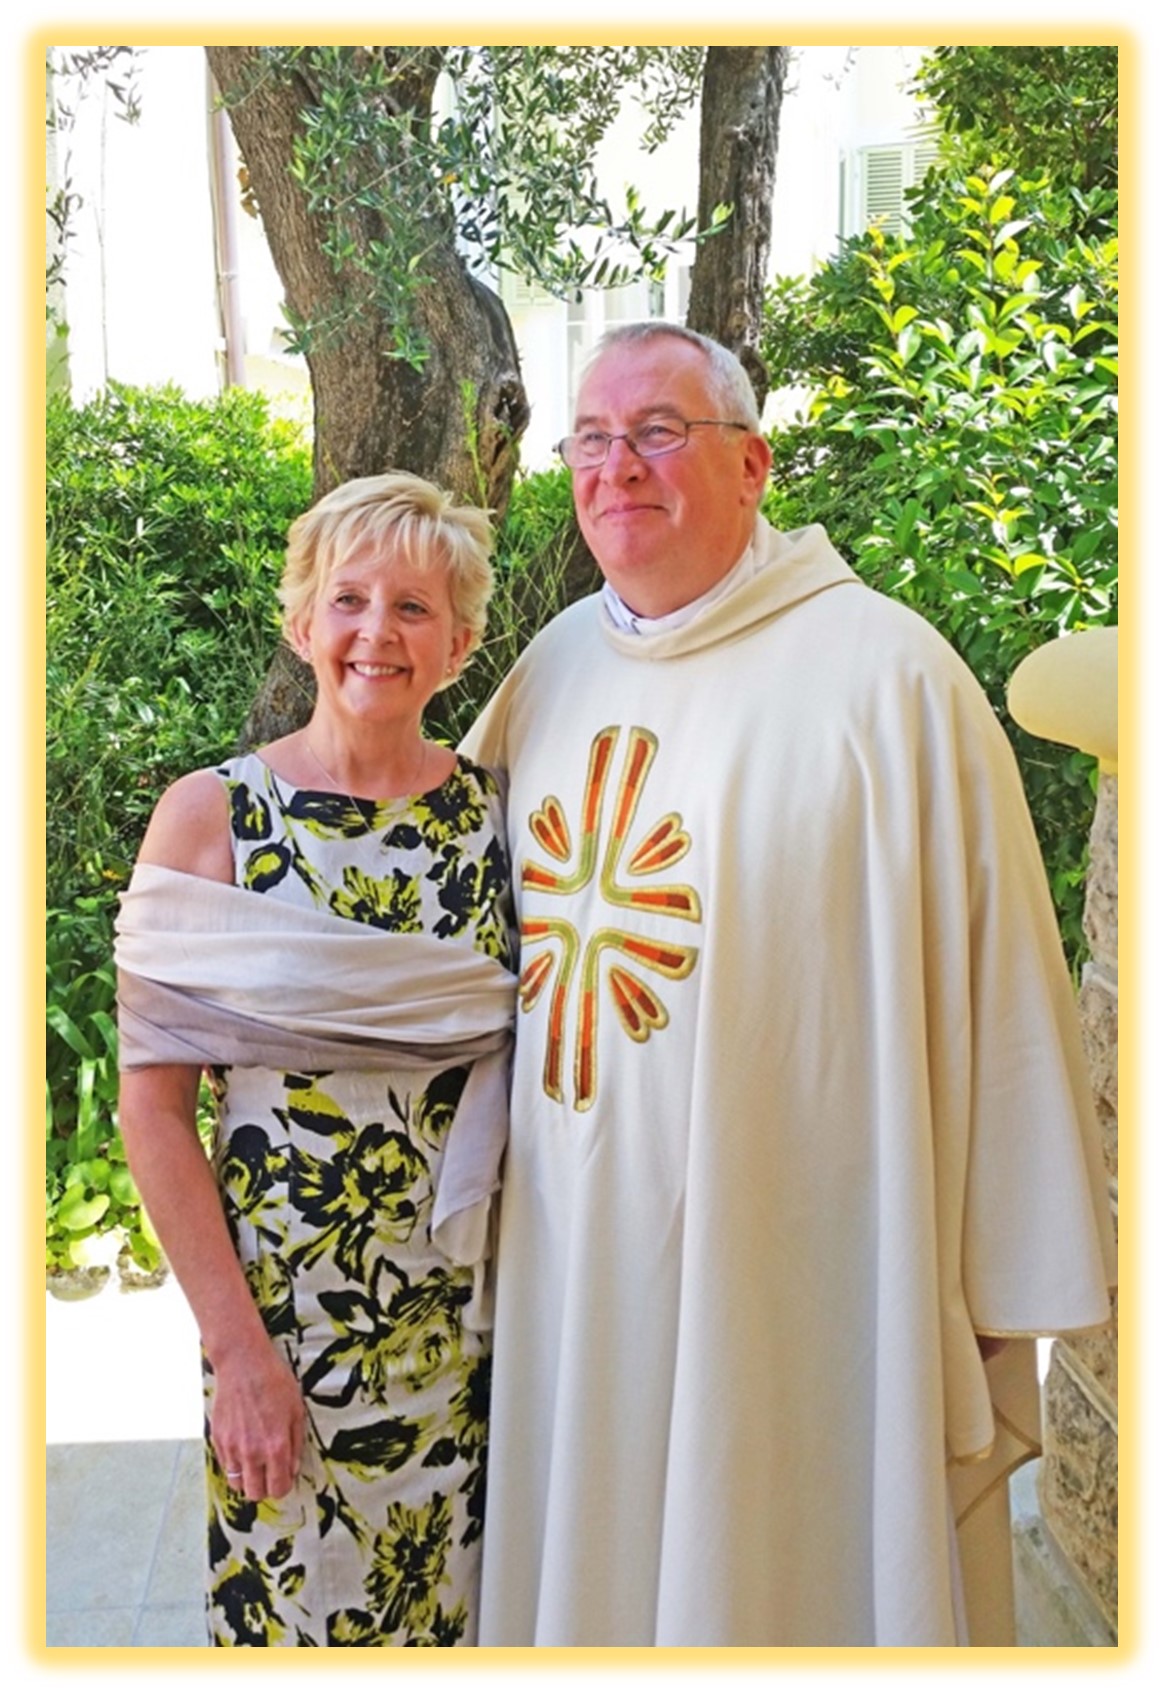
x,y
400,511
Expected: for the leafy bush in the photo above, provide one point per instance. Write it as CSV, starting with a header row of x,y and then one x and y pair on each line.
x,y
960,443
88,1187
166,522
1047,108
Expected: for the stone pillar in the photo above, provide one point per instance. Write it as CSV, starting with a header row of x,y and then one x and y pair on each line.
x,y
1065,1550
1077,1482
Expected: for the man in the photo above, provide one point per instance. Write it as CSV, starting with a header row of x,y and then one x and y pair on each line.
x,y
799,1106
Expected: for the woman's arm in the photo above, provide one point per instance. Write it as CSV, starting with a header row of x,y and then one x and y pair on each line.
x,y
257,1413
190,829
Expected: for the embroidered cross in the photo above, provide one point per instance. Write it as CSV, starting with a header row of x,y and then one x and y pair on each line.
x,y
639,1008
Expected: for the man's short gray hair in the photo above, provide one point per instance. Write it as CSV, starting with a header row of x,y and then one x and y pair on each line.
x,y
730,386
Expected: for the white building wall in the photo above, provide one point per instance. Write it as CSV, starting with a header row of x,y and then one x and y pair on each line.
x,y
839,100
140,276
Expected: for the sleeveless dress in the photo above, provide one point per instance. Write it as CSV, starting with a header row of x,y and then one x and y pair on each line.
x,y
327,1181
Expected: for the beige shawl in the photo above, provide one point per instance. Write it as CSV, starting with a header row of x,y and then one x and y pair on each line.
x,y
210,973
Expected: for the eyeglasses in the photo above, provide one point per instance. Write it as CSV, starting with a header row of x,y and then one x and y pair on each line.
x,y
588,449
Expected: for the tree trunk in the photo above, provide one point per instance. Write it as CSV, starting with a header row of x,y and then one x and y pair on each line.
x,y
458,420
743,88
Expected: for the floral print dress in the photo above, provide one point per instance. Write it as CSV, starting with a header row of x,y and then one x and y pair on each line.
x,y
328,1181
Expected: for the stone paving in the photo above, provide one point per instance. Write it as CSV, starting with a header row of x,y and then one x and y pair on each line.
x,y
124,1506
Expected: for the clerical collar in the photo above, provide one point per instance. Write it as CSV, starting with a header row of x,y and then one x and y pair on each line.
x,y
631,623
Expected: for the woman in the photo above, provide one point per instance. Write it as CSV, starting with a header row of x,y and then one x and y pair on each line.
x,y
289,927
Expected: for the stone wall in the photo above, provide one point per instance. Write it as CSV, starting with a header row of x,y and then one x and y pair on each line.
x,y
1077,1483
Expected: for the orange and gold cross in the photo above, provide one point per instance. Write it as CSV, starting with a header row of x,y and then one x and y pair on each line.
x,y
639,1009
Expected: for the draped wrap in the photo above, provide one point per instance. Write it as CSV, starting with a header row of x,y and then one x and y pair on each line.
x,y
210,973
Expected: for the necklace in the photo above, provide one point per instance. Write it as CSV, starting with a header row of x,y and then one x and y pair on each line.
x,y
413,782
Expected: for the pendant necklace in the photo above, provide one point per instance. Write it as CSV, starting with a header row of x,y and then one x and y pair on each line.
x,y
413,780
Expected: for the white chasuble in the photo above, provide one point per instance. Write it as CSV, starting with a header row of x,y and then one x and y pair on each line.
x,y
799,1106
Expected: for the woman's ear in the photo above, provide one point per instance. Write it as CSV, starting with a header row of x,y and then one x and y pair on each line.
x,y
298,637
462,640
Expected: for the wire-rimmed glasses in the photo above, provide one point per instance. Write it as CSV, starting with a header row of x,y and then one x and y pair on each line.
x,y
651,440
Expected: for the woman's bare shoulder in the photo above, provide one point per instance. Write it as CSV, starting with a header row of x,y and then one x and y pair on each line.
x,y
190,828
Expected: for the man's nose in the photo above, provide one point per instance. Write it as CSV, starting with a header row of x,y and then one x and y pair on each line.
x,y
622,463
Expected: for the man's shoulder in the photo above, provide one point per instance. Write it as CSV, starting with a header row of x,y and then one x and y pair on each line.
x,y
576,622
874,648
864,612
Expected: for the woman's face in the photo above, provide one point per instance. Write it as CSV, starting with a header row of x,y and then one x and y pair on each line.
x,y
381,636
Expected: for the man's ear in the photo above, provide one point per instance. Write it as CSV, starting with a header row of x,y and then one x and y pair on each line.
x,y
757,465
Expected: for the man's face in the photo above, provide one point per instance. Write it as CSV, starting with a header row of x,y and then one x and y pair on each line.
x,y
664,530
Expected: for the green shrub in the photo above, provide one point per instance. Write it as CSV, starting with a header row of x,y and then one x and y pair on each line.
x,y
88,1188
166,522
1048,108
960,442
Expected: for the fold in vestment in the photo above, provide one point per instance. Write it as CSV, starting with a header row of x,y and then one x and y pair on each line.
x,y
211,973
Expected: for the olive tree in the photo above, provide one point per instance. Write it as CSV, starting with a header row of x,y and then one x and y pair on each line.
x,y
392,183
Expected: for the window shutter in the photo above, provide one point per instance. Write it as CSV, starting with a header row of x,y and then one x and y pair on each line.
x,y
880,177
925,152
517,290
884,180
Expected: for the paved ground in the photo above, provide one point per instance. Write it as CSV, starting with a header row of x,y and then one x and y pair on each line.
x,y
125,1544
124,1512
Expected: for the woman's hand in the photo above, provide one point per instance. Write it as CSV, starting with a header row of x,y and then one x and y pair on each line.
x,y
257,1419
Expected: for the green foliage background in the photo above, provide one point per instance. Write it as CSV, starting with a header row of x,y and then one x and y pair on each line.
x,y
958,437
